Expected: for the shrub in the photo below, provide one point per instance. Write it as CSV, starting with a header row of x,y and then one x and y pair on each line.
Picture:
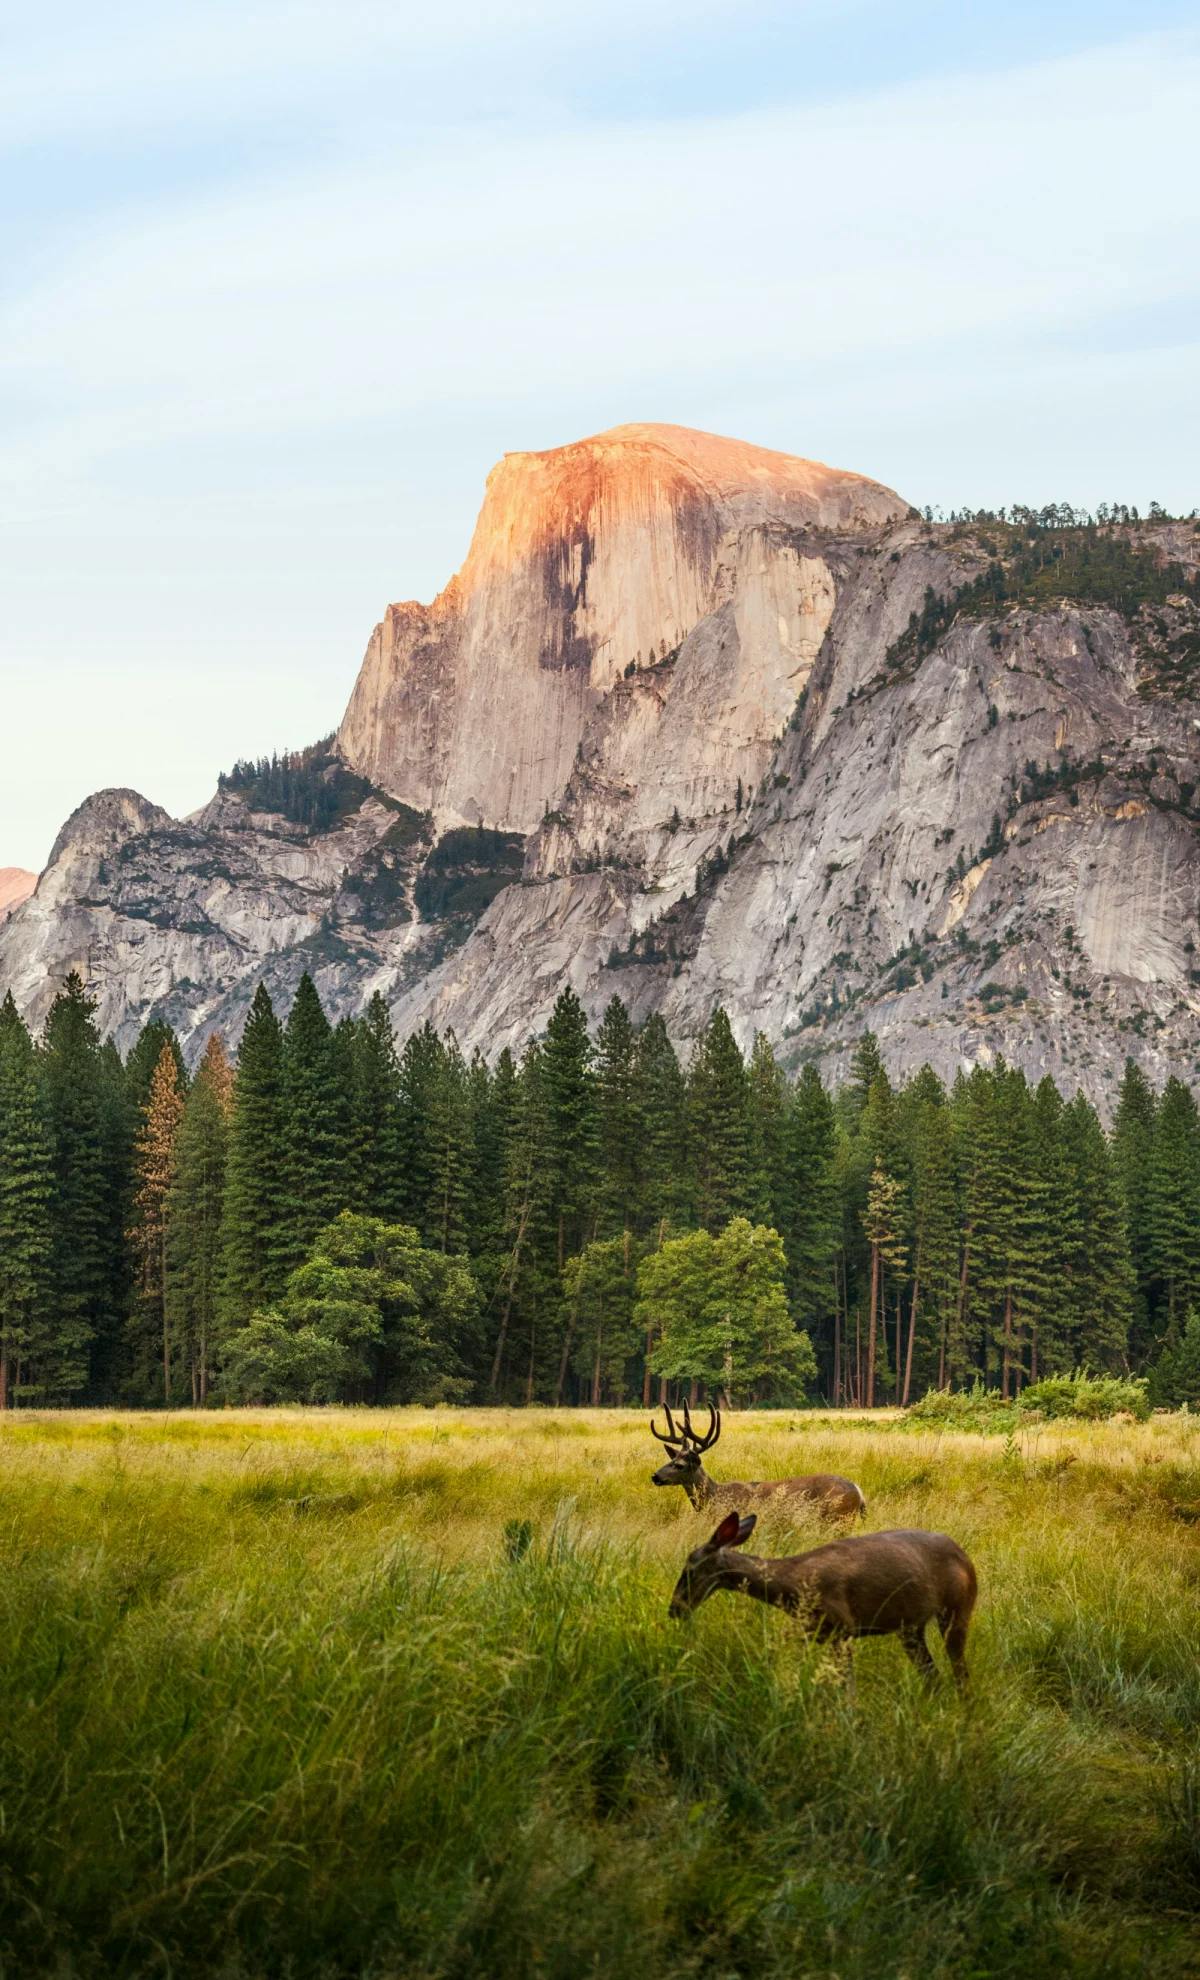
x,y
1091,1397
975,1408
1083,1397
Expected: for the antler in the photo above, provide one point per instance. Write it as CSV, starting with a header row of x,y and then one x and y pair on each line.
x,y
671,1435
706,1442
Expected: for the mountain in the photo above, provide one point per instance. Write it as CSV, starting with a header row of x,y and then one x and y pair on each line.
x,y
16,885
699,722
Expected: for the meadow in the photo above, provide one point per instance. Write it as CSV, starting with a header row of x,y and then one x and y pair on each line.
x,y
395,1693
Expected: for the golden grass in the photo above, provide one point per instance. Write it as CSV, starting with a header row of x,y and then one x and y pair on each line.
x,y
269,1659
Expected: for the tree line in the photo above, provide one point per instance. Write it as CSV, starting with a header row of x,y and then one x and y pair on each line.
x,y
342,1217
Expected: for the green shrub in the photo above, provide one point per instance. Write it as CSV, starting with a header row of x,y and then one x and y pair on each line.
x,y
975,1408
1090,1397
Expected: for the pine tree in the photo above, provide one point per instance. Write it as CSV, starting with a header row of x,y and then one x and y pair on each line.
x,y
81,1243
451,1154
315,1127
935,1239
619,1112
719,1126
252,1275
663,1194
1132,1145
883,1223
572,1126
26,1192
811,1221
377,1166
1009,1217
1100,1270
154,1173
120,1120
1172,1212
1054,1231
772,1184
420,1069
866,1066
142,1063
527,1266
194,1210
1175,1382
494,1108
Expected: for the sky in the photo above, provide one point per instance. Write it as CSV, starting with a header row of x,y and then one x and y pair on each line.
x,y
279,283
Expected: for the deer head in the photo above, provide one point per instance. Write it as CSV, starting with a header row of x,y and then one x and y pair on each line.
x,y
686,1446
706,1567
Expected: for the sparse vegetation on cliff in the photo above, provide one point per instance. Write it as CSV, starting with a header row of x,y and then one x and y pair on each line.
x,y
310,787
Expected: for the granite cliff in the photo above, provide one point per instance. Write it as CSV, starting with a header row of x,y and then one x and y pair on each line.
x,y
700,722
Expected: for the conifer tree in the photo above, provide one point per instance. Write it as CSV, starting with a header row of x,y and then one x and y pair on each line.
x,y
866,1066
664,1192
154,1173
935,1240
142,1063
1010,1215
420,1069
451,1153
1172,1212
1100,1271
719,1126
884,1227
572,1126
527,1267
619,1113
377,1167
252,1273
1053,1230
26,1192
120,1120
1132,1145
81,1240
771,1181
494,1108
1175,1382
812,1220
315,1120
194,1217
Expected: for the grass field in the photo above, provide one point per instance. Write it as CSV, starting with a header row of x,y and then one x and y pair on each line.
x,y
277,1699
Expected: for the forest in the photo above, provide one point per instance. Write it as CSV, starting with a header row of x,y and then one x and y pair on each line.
x,y
342,1216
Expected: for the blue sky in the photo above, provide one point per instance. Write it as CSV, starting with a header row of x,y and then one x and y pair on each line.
x,y
279,282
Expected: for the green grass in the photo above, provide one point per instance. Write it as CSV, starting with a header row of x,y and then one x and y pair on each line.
x,y
278,1699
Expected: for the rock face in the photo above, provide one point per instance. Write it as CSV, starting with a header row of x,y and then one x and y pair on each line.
x,y
586,561
16,885
698,723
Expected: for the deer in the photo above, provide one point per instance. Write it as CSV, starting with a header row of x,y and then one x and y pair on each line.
x,y
836,1496
873,1584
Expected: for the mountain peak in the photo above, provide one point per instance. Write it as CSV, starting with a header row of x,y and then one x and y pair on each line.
x,y
589,561
105,821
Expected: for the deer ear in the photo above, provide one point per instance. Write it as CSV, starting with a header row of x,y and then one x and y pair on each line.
x,y
746,1528
727,1532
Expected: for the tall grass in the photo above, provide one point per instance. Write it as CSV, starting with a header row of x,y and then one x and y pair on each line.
x,y
293,1693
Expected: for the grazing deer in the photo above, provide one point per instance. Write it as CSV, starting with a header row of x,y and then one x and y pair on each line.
x,y
876,1584
834,1495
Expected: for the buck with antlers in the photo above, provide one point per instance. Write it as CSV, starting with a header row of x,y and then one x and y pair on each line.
x,y
877,1584
837,1496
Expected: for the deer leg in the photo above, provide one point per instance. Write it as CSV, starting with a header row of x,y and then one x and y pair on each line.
x,y
954,1636
917,1650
